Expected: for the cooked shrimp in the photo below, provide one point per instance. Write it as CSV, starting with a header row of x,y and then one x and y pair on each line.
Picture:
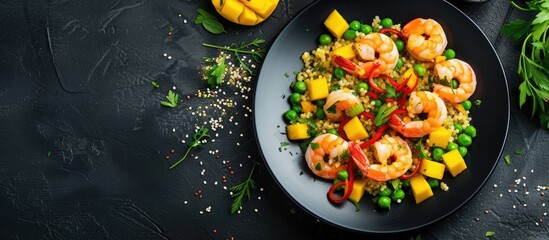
x,y
426,39
377,55
421,102
393,148
338,101
324,155
463,73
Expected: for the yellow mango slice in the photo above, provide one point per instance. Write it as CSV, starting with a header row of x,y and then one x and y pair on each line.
x,y
318,88
454,162
245,12
345,52
355,130
432,169
409,74
297,131
336,24
420,188
440,137
358,190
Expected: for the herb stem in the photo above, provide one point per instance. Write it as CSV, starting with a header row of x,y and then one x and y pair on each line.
x,y
181,160
235,50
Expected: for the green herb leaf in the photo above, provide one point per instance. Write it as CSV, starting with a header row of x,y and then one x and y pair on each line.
x,y
516,29
507,159
252,49
173,99
209,22
240,191
395,183
490,234
518,152
154,84
314,146
383,114
198,136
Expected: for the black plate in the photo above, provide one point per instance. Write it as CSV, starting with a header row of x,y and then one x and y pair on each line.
x,y
287,164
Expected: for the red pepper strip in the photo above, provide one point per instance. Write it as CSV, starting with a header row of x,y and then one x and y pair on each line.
x,y
367,115
376,136
391,80
408,176
340,128
399,111
348,185
373,85
397,32
372,95
402,85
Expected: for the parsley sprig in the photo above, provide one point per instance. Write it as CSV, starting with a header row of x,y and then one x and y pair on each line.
x,y
242,190
173,99
533,66
215,75
253,49
383,114
198,136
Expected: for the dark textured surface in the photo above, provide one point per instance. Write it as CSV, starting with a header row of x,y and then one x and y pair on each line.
x,y
90,104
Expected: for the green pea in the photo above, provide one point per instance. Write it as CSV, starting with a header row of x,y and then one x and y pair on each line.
x,y
385,192
467,105
387,23
342,175
464,140
462,151
295,98
470,130
366,29
384,202
300,87
290,115
449,54
320,114
399,64
451,146
420,70
296,108
339,72
334,88
349,34
454,83
458,127
433,182
320,102
332,131
397,194
325,39
363,85
437,153
355,25
377,103
400,45
406,183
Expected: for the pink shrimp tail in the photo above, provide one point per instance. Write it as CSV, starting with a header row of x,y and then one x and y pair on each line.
x,y
359,158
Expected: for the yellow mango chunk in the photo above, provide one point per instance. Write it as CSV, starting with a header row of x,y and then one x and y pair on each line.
x,y
420,188
248,17
307,106
454,162
297,131
439,59
318,89
336,24
355,130
231,9
432,169
358,190
409,74
440,137
345,52
245,12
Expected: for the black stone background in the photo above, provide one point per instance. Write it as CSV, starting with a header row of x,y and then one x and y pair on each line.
x,y
83,139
